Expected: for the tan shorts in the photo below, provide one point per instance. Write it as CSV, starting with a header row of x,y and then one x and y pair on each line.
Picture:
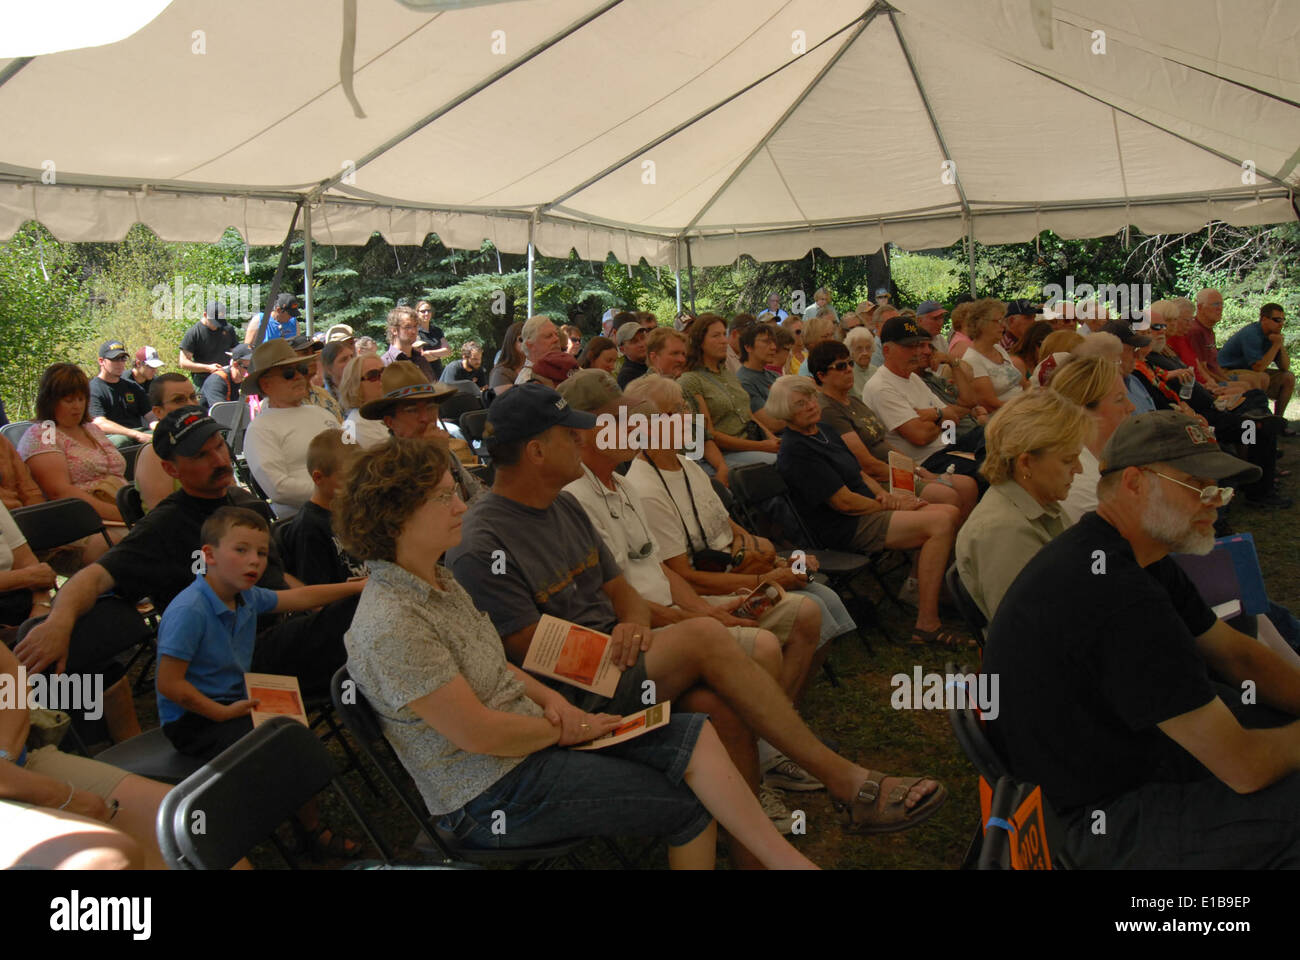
x,y
779,619
83,773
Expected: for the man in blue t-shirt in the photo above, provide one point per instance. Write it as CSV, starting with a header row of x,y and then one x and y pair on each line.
x,y
283,324
1257,345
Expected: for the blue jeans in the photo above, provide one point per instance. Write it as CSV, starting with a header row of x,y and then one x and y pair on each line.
x,y
632,789
835,616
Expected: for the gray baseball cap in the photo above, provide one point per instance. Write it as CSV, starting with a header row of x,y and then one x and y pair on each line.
x,y
1167,436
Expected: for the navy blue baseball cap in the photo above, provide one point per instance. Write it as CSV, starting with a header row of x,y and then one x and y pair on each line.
x,y
523,412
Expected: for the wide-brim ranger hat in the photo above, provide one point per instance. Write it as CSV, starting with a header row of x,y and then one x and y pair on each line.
x,y
1167,436
523,412
272,354
402,381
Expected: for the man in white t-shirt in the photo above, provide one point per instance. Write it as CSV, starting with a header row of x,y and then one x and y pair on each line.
x,y
275,443
918,423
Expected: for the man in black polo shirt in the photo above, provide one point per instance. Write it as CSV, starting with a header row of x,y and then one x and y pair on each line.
x,y
118,404
1104,652
205,346
157,559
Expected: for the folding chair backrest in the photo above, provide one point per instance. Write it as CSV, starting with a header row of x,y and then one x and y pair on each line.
x,y
453,408
762,497
969,730
129,504
472,422
13,432
226,413
52,524
359,717
466,386
130,454
241,795
966,605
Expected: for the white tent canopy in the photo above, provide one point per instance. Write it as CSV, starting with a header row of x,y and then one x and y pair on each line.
x,y
764,127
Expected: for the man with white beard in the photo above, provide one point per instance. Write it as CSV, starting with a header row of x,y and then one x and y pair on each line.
x,y
1112,670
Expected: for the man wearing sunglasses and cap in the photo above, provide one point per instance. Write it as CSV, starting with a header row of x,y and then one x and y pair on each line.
x,y
1121,692
275,443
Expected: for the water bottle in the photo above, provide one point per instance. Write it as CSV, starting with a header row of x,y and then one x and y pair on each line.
x,y
946,476
1185,391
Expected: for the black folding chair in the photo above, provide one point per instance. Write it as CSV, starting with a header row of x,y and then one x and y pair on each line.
x,y
471,425
58,522
454,407
129,454
151,755
129,504
244,793
762,497
966,605
995,851
359,717
968,728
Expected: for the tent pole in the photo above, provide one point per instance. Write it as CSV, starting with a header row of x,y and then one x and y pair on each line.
x,y
690,275
530,267
678,275
970,259
306,253
278,277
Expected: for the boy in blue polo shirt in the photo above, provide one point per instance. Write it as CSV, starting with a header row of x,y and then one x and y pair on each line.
x,y
206,641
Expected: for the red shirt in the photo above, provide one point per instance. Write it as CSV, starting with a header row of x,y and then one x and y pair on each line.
x,y
1200,339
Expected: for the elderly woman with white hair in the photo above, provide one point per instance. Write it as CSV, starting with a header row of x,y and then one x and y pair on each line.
x,y
862,344
1032,448
830,491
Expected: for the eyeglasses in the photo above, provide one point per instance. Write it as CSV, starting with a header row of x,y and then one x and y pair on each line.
x,y
1158,326
840,365
1208,494
616,513
444,498
372,376
297,370
414,406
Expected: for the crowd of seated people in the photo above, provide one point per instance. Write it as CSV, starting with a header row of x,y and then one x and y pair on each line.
x,y
1035,445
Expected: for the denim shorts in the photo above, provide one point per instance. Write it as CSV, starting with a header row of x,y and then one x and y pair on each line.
x,y
632,789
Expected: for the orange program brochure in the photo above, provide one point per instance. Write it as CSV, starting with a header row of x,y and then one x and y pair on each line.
x,y
902,473
572,653
632,726
279,696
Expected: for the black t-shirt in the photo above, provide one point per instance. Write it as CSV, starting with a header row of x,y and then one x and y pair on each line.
x,y
310,551
206,345
457,371
814,467
1088,663
630,371
433,338
157,557
124,402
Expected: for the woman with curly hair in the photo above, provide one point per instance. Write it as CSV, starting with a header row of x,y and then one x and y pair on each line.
x,y
477,734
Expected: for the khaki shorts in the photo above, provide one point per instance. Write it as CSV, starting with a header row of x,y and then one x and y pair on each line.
x,y
82,772
779,619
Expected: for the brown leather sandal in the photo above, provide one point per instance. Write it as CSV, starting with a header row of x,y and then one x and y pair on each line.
x,y
866,814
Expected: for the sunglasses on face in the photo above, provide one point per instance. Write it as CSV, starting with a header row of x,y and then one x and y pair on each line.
x,y
1158,326
371,376
840,365
297,370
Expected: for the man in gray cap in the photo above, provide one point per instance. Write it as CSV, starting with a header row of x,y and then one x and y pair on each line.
x,y
1137,710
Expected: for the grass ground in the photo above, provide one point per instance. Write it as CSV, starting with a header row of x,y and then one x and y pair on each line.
x,y
858,717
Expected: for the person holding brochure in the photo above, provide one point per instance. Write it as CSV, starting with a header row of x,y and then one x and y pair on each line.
x,y
207,641
528,549
480,737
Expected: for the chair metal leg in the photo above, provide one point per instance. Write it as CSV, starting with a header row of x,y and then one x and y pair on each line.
x,y
829,670
326,716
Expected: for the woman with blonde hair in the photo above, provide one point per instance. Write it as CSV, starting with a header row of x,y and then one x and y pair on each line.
x,y
994,377
1032,447
1055,350
361,383
819,328
1097,385
960,340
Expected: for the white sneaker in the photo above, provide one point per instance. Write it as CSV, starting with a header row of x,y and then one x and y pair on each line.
x,y
785,774
910,592
775,809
